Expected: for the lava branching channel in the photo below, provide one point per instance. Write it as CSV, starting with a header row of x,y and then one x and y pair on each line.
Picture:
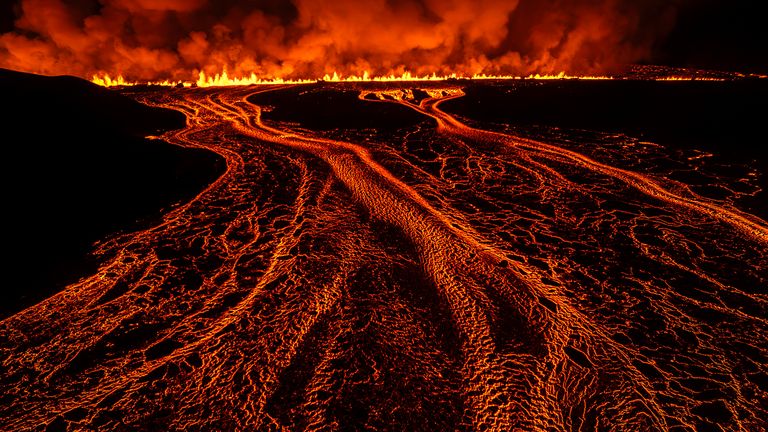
x,y
440,277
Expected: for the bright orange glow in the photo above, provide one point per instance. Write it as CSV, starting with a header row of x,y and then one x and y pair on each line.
x,y
307,39
684,78
107,81
224,79
563,75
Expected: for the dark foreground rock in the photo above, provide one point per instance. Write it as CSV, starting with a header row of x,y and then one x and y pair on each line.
x,y
76,167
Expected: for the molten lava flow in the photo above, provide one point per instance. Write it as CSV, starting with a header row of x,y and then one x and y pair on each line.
x,y
747,224
418,278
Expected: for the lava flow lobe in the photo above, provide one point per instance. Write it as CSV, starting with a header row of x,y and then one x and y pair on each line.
x,y
419,270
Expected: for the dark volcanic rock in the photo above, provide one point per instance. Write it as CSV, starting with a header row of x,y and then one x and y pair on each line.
x,y
326,107
78,168
724,117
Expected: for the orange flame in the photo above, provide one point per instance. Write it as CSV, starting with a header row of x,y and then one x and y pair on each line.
x,y
563,75
223,79
107,81
692,78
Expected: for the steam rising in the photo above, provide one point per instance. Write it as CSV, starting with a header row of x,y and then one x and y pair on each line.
x,y
176,39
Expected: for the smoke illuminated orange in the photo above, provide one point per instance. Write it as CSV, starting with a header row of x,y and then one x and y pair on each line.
x,y
172,41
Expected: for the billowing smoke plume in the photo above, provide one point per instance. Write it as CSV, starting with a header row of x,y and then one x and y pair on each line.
x,y
159,39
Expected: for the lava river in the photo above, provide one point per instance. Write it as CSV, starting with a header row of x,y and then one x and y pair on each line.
x,y
444,277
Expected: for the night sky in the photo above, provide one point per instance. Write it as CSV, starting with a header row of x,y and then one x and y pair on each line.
x,y
716,34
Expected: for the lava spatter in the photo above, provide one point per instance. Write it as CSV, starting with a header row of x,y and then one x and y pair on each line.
x,y
431,279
